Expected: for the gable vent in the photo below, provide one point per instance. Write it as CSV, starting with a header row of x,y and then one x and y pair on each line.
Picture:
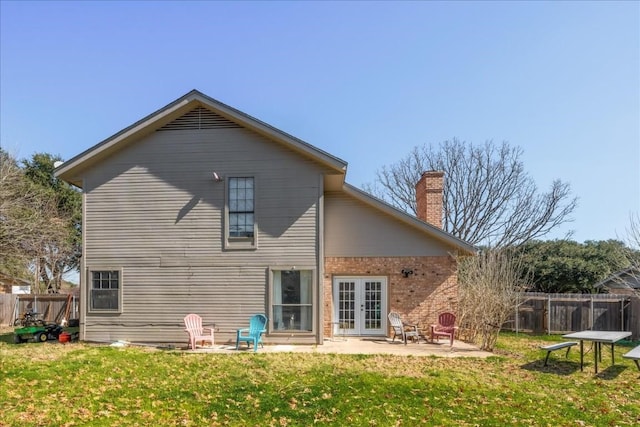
x,y
199,118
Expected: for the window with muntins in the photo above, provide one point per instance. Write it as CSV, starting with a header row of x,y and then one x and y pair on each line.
x,y
241,207
105,290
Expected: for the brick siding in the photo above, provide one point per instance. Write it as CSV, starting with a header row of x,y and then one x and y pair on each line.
x,y
418,298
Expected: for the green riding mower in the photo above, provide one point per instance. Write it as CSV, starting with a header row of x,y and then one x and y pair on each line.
x,y
37,333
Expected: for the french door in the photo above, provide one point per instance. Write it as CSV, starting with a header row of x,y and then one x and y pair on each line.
x,y
360,305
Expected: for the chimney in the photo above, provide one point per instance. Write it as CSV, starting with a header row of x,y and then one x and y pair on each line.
x,y
429,197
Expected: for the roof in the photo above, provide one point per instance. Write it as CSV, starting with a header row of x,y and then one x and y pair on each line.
x,y
11,280
70,170
628,278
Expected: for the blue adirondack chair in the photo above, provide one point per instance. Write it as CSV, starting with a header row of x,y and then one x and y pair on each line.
x,y
252,334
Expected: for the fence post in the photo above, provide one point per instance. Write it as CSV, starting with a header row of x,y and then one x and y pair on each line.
x,y
16,311
549,314
591,313
517,298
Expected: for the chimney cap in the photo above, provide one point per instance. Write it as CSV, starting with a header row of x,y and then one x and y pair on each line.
x,y
433,173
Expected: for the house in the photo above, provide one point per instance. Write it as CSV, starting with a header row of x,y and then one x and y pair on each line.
x,y
13,285
623,282
201,208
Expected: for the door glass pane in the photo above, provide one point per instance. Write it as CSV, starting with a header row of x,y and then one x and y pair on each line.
x,y
346,308
373,305
360,306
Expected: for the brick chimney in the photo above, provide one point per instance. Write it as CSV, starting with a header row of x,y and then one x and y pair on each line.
x,y
429,197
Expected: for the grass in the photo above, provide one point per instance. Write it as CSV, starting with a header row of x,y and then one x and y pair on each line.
x,y
82,384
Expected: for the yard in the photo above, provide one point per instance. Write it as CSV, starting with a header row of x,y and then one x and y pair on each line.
x,y
84,384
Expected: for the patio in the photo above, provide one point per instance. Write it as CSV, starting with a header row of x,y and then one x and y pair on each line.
x,y
360,346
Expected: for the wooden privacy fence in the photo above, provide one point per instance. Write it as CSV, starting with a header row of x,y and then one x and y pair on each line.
x,y
563,313
50,308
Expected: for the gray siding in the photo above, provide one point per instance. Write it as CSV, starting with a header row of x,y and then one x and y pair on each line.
x,y
155,300
353,229
154,210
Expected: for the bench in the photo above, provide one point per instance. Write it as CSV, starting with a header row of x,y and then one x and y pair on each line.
x,y
557,346
634,355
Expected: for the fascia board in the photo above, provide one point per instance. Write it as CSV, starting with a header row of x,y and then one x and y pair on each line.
x,y
274,133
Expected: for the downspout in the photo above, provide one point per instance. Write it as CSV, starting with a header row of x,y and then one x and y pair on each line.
x,y
320,263
82,315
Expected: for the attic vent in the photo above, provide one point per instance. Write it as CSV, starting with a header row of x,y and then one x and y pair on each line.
x,y
199,118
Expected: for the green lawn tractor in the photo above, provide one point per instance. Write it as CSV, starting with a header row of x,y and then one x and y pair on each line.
x,y
37,333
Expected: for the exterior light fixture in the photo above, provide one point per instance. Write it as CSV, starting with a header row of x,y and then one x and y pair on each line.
x,y
406,272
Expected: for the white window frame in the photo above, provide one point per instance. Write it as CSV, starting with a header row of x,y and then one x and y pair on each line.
x,y
90,289
279,325
239,243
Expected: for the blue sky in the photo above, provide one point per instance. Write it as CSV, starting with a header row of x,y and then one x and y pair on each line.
x,y
365,81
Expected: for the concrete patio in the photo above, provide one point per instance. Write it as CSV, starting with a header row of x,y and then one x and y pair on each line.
x,y
360,346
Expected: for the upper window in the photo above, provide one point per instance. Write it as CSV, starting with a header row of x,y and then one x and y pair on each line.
x,y
240,221
240,207
105,289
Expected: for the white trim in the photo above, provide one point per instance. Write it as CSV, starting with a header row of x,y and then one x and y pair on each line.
x,y
240,243
359,328
89,280
314,301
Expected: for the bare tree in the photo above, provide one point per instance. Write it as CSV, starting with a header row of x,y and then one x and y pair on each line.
x,y
489,284
631,275
20,216
34,232
60,252
488,197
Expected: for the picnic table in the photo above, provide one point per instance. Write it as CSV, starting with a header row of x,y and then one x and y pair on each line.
x,y
598,338
634,355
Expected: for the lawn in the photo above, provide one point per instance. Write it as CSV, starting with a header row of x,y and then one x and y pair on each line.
x,y
54,384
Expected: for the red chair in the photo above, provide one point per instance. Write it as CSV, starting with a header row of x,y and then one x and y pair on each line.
x,y
193,326
445,327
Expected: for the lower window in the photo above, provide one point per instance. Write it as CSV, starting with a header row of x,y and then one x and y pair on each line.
x,y
104,291
292,300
